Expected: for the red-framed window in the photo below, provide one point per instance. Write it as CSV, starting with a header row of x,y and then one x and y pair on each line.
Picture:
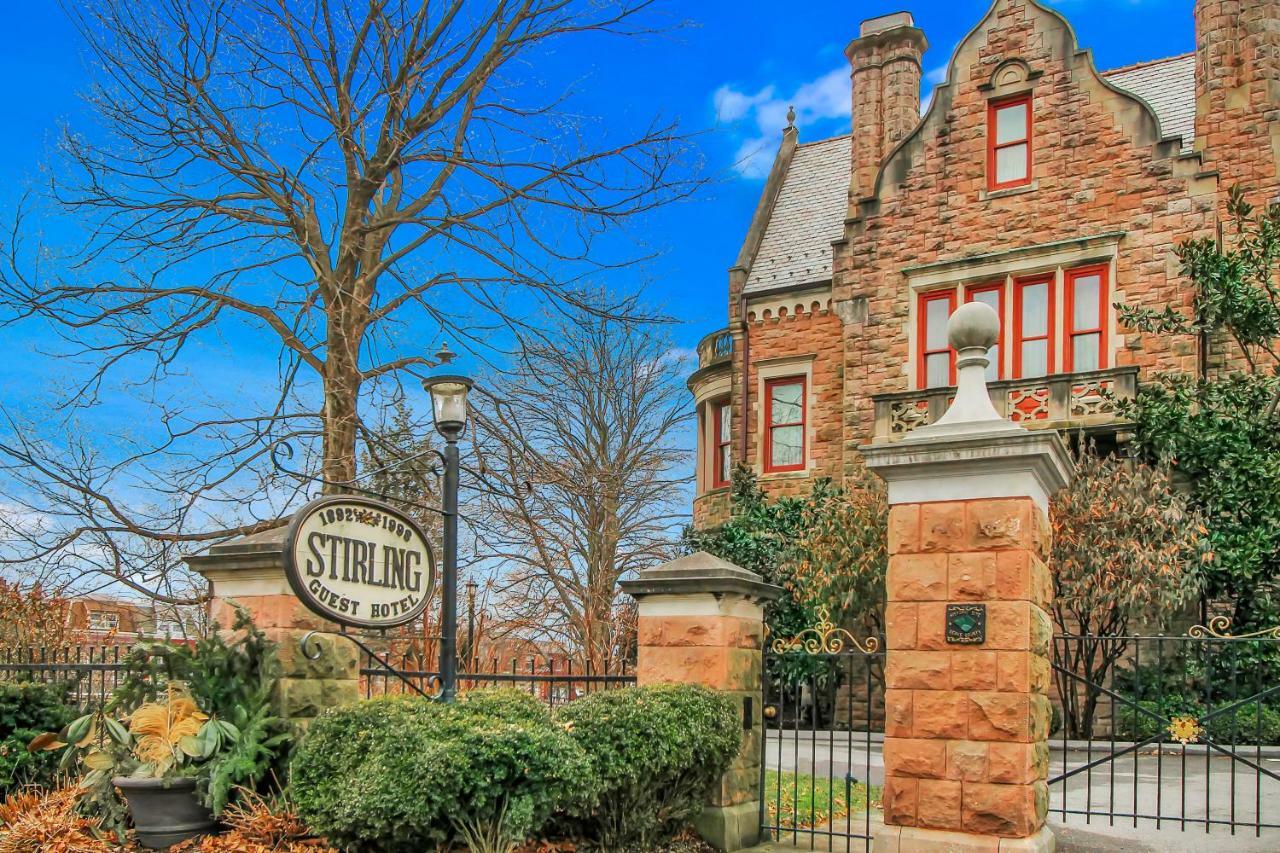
x,y
721,457
1009,143
1086,319
991,293
937,364
1033,334
784,442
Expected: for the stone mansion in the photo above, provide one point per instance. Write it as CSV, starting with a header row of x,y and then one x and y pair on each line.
x,y
1034,182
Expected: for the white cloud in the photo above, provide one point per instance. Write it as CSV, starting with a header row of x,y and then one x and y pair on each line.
x,y
937,76
754,157
758,118
732,105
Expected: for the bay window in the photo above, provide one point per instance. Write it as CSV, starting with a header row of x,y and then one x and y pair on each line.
x,y
1009,143
784,439
992,294
1086,308
937,360
1051,320
1033,326
721,457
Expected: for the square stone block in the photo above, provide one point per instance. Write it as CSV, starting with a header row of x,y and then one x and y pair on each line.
x,y
939,804
900,797
1003,810
999,717
897,713
973,669
924,670
967,760
919,757
942,526
904,529
1003,523
917,577
973,576
1008,625
940,714
900,621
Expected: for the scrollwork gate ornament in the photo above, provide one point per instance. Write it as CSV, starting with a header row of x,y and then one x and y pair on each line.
x,y
1218,626
824,638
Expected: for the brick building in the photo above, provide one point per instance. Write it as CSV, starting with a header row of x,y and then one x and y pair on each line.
x,y
1035,182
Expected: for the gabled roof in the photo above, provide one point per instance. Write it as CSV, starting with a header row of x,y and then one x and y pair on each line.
x,y
1169,86
813,201
808,215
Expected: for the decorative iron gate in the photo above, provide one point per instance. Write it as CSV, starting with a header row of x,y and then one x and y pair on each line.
x,y
821,767
1181,732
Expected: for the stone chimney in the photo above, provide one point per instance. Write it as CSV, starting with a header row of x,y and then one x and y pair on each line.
x,y
886,92
1238,90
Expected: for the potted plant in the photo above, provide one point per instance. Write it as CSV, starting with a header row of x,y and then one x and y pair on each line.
x,y
156,762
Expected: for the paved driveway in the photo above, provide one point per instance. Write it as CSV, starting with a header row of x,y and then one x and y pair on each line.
x,y
1146,785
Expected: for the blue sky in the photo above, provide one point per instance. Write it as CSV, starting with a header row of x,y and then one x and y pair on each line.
x,y
730,70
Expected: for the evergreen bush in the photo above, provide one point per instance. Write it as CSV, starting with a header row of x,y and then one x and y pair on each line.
x,y
407,774
26,710
657,752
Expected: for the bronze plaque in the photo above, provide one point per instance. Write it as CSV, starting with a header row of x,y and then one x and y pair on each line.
x,y
966,624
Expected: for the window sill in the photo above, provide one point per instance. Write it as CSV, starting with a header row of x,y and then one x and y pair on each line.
x,y
718,490
987,195
786,475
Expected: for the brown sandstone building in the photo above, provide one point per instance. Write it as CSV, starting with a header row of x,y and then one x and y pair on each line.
x,y
1034,182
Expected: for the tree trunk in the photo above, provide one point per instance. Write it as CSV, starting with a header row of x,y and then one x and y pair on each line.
x,y
342,379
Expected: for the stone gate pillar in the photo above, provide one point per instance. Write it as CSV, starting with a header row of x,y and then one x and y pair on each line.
x,y
249,573
967,624
702,622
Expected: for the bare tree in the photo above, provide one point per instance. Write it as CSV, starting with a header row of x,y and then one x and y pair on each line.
x,y
318,179
583,439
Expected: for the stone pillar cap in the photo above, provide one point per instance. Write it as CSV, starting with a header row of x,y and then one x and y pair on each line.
x,y
263,549
700,572
972,452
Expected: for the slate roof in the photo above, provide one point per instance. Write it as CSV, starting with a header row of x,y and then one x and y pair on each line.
x,y
1169,86
808,215
813,200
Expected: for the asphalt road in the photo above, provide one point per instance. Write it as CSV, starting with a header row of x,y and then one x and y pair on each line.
x,y
1181,793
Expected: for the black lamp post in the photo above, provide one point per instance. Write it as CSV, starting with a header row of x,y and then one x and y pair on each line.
x,y
449,408
471,624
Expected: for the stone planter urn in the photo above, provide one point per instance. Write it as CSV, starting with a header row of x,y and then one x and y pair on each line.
x,y
165,811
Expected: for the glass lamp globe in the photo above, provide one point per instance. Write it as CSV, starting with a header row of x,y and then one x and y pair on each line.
x,y
449,403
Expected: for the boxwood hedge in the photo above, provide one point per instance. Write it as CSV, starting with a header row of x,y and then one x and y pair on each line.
x,y
656,753
407,774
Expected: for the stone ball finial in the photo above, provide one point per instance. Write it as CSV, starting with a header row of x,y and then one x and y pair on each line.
x,y
974,324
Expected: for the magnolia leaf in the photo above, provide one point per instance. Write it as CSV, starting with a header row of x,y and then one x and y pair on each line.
x,y
98,760
192,747
48,740
92,780
79,729
117,732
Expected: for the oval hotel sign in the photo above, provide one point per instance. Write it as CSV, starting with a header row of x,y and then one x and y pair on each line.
x,y
359,562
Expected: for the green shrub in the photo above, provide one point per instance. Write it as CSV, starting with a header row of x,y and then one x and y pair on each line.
x,y
657,752
1251,724
26,710
407,774
506,703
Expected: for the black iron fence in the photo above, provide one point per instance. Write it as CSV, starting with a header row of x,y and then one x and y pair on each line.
x,y
1167,732
555,681
92,672
820,766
